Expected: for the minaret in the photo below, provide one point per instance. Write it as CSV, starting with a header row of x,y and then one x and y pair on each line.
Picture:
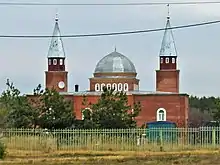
x,y
56,76
167,77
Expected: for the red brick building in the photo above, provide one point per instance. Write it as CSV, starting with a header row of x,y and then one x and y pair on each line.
x,y
117,71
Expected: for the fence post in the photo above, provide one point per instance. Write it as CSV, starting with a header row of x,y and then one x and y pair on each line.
x,y
213,136
138,140
161,140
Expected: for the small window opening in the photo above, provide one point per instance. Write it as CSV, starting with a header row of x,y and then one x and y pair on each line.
x,y
54,61
61,61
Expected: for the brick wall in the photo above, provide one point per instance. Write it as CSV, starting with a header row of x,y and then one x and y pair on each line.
x,y
53,78
167,81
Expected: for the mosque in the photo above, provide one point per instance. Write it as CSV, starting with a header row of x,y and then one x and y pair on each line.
x,y
116,71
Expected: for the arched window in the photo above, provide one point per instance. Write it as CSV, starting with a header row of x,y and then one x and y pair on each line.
x,y
49,61
173,60
97,87
114,86
161,114
161,60
109,86
126,87
102,86
61,61
120,87
167,60
54,61
86,113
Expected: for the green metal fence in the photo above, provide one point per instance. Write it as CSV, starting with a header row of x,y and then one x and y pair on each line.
x,y
169,139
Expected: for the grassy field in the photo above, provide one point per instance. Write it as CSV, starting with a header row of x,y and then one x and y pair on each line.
x,y
113,158
110,147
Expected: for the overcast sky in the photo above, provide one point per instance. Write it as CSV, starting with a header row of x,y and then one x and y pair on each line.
x,y
24,61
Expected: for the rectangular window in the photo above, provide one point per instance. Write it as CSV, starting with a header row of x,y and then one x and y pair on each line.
x,y
49,61
161,60
54,61
161,117
61,61
173,60
167,60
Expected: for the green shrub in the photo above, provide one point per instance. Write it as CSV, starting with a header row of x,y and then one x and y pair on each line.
x,y
2,150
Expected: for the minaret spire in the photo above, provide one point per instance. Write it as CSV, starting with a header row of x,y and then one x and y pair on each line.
x,y
168,47
56,47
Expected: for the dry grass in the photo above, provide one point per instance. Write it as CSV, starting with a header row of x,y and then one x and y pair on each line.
x,y
201,157
30,143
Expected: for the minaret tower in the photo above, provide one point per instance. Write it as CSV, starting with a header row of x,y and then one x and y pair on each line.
x,y
56,75
167,77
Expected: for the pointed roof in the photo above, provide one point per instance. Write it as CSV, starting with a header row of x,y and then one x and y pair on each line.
x,y
168,47
56,48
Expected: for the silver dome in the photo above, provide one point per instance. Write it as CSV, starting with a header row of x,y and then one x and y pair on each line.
x,y
115,63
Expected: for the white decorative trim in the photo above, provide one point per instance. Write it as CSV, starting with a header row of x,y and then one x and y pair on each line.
x,y
84,110
161,116
61,85
114,86
61,61
109,86
120,87
117,87
54,61
49,61
167,60
102,86
126,87
97,87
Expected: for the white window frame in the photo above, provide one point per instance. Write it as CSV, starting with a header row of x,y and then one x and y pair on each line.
x,y
97,87
173,60
102,86
109,86
120,87
167,60
54,61
161,60
61,61
126,87
49,61
115,86
161,116
84,110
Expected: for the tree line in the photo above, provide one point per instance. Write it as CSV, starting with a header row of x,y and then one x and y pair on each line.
x,y
203,110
